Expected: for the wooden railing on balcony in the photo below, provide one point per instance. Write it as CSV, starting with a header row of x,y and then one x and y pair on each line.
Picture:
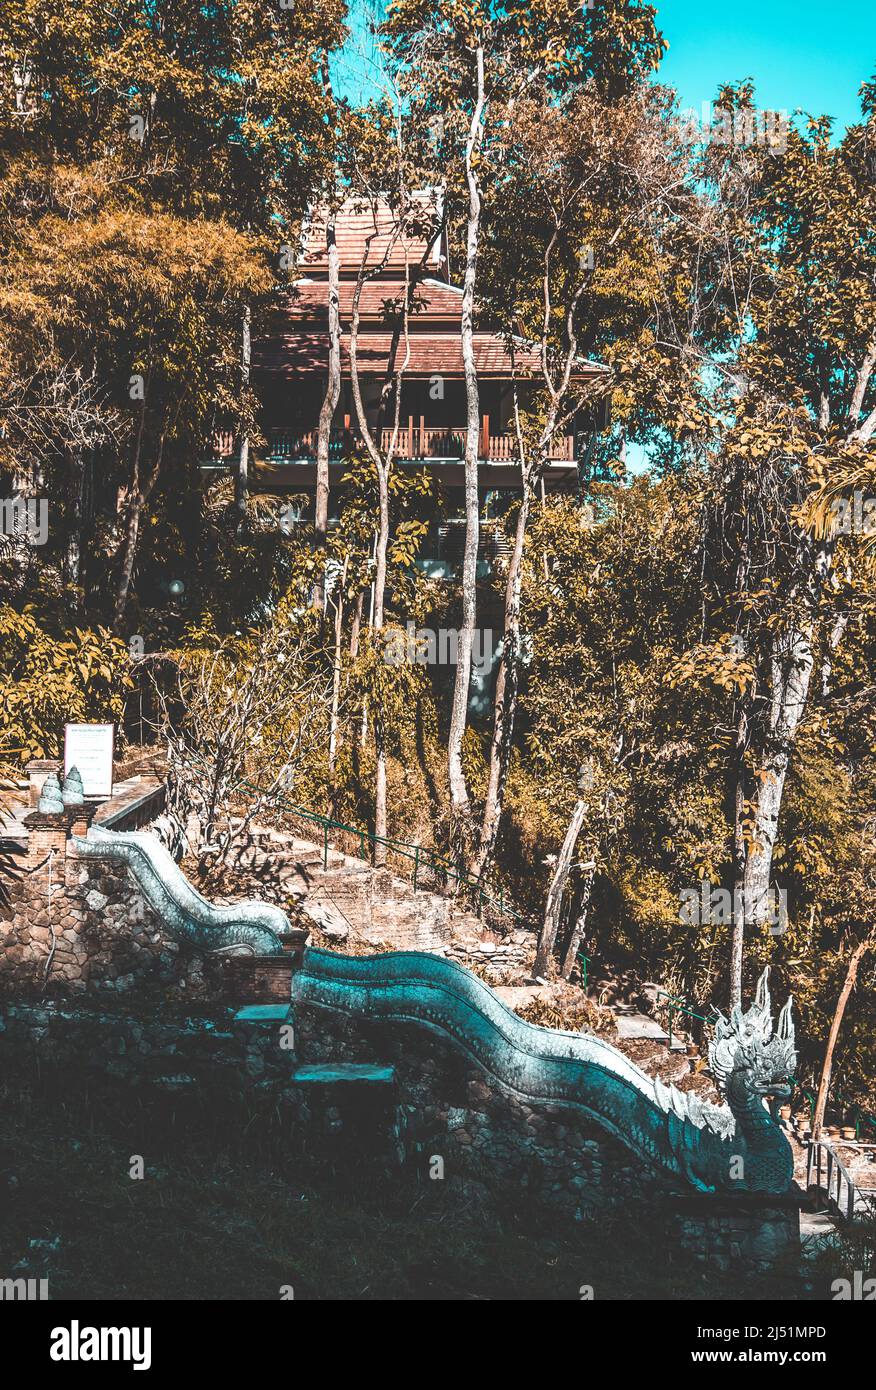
x,y
413,442
285,445
421,442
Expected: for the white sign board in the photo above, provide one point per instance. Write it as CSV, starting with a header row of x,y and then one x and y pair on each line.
x,y
90,748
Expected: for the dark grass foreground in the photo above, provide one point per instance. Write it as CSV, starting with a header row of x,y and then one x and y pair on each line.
x,y
225,1213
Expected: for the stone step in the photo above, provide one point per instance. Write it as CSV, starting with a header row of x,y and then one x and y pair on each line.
x,y
815,1227
263,1015
342,1074
632,1026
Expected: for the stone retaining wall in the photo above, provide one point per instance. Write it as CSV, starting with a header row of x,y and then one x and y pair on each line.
x,y
441,1119
73,925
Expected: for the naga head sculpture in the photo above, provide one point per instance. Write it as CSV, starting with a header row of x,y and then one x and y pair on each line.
x,y
747,1058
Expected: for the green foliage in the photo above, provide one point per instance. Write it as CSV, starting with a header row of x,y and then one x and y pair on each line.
x,y
46,681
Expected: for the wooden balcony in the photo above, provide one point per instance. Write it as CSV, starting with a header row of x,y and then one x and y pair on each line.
x,y
418,442
415,442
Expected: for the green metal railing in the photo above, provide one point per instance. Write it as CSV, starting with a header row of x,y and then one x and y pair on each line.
x,y
859,1116
798,1090
677,1005
422,856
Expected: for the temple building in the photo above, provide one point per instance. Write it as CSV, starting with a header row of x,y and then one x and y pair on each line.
x,y
290,370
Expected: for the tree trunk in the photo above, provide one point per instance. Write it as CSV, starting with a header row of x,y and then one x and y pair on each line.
x,y
848,986
132,534
336,670
553,905
356,625
133,512
379,739
330,401
739,856
76,519
459,710
241,482
792,662
577,935
505,701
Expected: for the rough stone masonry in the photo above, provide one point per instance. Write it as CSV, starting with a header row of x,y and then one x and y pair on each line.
x,y
72,926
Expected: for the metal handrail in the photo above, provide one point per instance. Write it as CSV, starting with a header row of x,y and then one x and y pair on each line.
x,y
861,1117
417,853
676,1004
838,1186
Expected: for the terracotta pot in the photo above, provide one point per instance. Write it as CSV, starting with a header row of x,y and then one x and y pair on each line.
x,y
849,1132
785,1112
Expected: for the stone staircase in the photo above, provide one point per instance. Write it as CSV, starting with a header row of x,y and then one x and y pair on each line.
x,y
351,904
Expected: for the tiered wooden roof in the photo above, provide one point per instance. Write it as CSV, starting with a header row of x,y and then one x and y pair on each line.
x,y
299,346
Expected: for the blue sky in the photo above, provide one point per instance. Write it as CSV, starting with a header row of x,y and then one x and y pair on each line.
x,y
799,54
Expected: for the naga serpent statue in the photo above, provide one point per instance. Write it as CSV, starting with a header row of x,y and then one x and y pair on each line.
x,y
246,928
737,1147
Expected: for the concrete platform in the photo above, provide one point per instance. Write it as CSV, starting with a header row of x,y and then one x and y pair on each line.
x,y
263,1013
635,1026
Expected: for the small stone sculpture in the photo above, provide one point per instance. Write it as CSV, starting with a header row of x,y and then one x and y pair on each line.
x,y
51,802
73,792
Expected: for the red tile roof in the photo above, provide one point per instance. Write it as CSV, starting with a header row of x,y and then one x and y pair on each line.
x,y
300,346
310,300
357,220
296,354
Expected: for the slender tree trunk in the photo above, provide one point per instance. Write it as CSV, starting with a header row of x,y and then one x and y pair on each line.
x,y
356,625
76,518
553,905
459,711
379,732
577,934
792,663
505,702
739,855
133,511
129,554
848,986
336,671
330,401
241,482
